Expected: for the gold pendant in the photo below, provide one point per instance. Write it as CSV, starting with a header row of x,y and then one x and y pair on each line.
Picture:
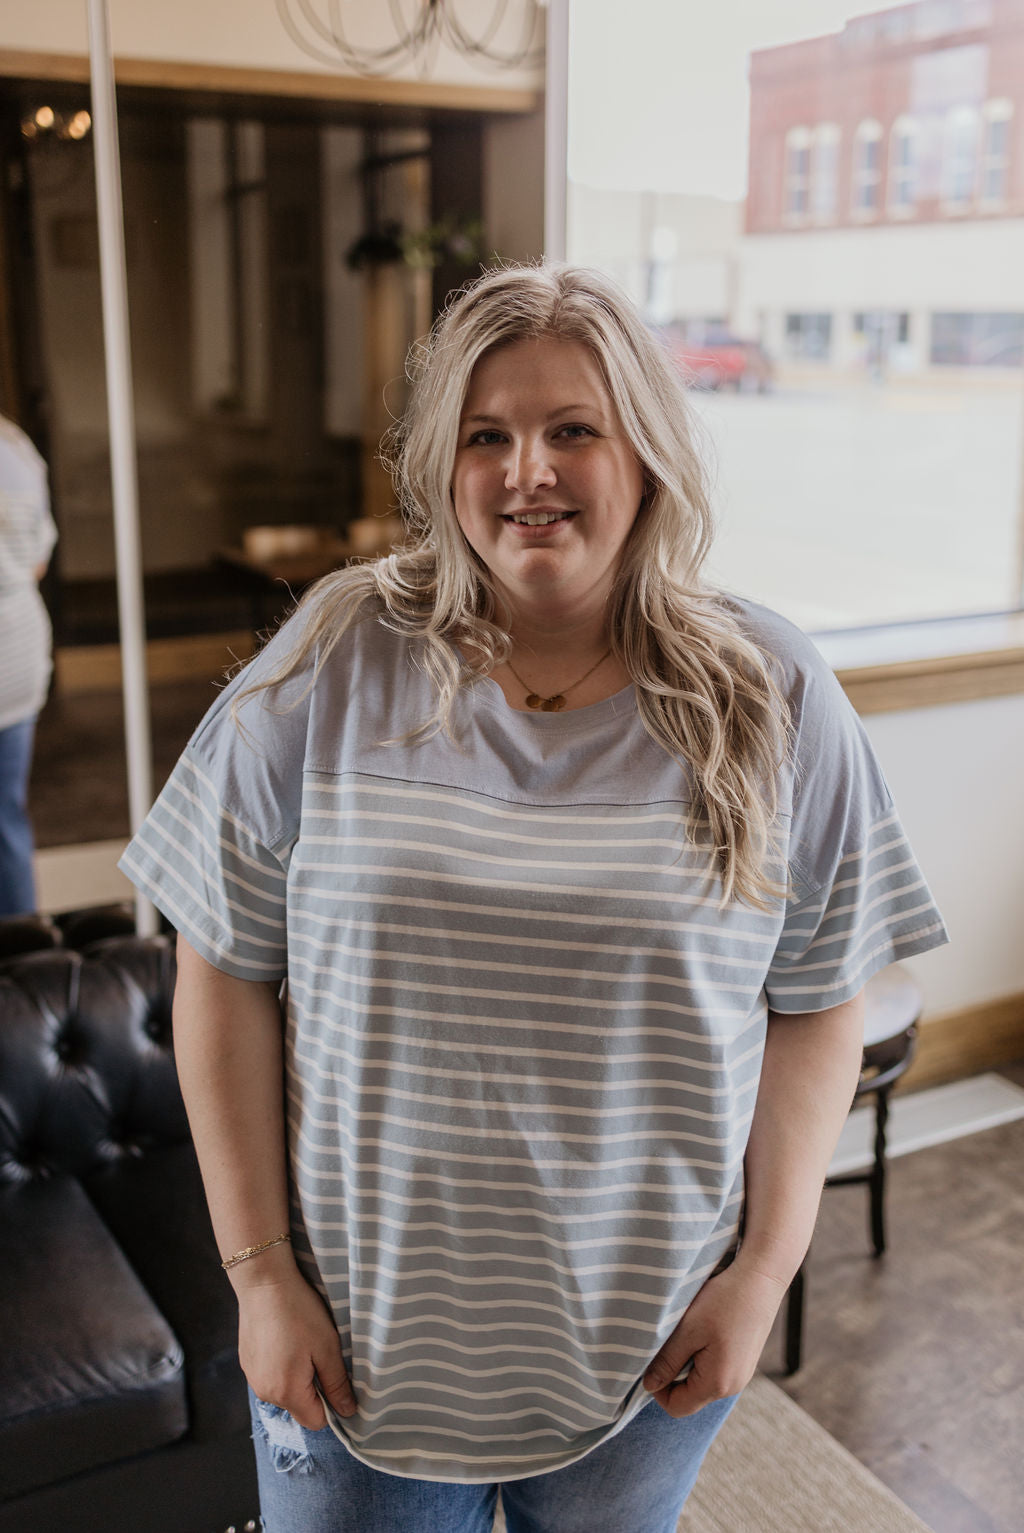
x,y
534,702
553,704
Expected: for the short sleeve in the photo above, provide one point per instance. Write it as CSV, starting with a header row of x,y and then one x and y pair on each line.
x,y
214,851
858,900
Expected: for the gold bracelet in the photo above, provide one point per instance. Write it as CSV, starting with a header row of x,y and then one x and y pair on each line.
x,y
264,1245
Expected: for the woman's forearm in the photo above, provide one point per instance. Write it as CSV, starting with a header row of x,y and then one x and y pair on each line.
x,y
228,1046
228,1049
808,1077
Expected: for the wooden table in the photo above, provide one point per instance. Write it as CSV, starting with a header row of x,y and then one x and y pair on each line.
x,y
263,577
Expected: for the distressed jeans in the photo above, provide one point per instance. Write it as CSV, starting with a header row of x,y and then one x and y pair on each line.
x,y
635,1482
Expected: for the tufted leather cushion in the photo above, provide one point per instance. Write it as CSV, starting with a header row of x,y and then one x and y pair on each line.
x,y
87,1076
27,934
90,1372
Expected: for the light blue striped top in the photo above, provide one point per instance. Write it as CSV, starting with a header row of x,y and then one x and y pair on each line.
x,y
27,536
523,1041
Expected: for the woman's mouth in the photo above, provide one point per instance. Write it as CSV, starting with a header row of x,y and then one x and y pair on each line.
x,y
538,518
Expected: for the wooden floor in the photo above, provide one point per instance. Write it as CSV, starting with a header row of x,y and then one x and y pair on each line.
x,y
79,790
914,1362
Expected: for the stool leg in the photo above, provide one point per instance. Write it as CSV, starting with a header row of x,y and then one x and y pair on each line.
x,y
878,1172
795,1322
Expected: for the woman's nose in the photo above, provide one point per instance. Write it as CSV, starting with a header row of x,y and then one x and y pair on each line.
x,y
529,467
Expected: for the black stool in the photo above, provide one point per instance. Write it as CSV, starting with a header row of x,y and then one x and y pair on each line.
x,y
892,1006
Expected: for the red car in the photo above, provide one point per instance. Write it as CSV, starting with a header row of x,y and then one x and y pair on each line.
x,y
722,362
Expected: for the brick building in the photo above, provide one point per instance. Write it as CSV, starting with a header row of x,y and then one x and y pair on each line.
x,y
885,214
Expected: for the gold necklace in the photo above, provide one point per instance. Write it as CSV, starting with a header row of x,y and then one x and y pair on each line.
x,y
556,703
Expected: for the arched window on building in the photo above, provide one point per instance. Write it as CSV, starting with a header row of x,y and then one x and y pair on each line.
x,y
796,191
994,177
903,167
867,169
959,157
825,172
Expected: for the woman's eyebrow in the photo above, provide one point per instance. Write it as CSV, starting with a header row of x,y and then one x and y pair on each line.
x,y
496,420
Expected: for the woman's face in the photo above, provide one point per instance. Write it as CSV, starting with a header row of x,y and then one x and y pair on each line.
x,y
546,485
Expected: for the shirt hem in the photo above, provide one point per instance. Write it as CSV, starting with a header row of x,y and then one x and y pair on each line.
x,y
497,1475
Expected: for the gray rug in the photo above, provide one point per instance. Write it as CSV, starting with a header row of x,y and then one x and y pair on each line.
x,y
772,1469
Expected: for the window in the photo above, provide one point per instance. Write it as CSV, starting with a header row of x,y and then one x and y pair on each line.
x,y
867,169
805,175
995,152
796,192
978,340
960,157
808,337
903,166
825,172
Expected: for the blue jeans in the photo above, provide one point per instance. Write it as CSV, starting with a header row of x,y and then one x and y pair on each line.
x,y
17,885
636,1482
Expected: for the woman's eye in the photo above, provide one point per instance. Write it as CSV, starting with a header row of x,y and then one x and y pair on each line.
x,y
485,438
574,432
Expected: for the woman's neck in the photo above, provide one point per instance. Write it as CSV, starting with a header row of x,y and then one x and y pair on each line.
x,y
560,654
546,630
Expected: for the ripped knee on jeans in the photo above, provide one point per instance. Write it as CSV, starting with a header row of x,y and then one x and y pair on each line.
x,y
285,1439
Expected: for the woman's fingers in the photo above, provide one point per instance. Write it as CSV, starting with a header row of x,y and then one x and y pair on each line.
x,y
675,1358
335,1385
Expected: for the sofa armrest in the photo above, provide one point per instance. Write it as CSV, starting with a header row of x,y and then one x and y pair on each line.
x,y
90,1371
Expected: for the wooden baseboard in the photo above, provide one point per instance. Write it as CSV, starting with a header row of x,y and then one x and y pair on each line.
x,y
967,1042
198,657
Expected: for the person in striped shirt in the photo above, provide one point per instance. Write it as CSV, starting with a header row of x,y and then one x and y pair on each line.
x,y
527,886
27,536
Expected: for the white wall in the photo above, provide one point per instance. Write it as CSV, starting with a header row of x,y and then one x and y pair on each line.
x,y
250,34
957,774
974,265
620,231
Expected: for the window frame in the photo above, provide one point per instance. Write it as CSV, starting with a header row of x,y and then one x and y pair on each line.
x,y
826,139
799,141
999,111
967,116
904,130
901,666
868,132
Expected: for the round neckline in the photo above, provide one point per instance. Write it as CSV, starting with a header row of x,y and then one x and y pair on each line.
x,y
490,693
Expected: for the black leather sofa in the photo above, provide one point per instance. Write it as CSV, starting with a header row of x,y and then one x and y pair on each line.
x,y
122,1406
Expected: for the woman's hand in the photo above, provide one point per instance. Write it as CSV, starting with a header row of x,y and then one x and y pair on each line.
x,y
723,1331
287,1342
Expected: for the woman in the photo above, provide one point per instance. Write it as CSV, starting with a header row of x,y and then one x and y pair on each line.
x,y
27,536
537,827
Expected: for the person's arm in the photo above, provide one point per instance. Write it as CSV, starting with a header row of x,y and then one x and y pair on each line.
x,y
811,1067
228,1048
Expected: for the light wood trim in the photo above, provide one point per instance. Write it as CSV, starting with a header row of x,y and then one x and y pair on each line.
x,y
199,657
308,85
966,1042
933,682
926,665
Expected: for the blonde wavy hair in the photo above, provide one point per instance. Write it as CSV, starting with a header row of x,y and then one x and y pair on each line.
x,y
704,690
